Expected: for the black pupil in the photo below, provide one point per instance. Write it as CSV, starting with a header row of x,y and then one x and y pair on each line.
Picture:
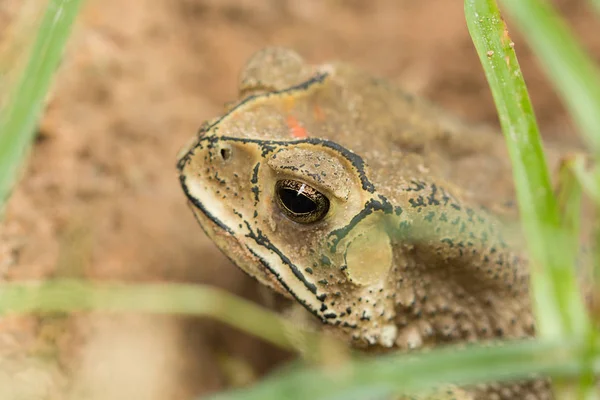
x,y
296,202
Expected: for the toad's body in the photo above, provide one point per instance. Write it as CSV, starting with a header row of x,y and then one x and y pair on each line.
x,y
376,211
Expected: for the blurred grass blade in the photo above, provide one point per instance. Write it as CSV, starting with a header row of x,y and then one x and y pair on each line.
x,y
373,377
585,178
569,195
590,184
569,199
559,309
166,298
570,69
23,109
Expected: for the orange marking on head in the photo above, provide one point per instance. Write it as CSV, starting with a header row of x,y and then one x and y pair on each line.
x,y
319,114
296,130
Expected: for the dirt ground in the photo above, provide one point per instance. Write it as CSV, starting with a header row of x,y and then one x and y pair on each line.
x,y
100,196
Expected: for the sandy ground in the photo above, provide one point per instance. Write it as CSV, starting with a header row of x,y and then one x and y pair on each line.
x,y
100,197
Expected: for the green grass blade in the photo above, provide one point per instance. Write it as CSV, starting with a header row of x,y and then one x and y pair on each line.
x,y
558,307
166,298
587,179
19,117
406,373
569,198
569,195
570,69
375,377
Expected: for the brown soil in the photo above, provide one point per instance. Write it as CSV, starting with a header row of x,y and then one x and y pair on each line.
x,y
100,196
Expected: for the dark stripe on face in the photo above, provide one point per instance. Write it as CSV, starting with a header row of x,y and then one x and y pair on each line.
x,y
264,241
198,204
254,179
370,207
285,286
268,146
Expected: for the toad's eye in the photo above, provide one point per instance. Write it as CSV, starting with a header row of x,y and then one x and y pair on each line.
x,y
300,202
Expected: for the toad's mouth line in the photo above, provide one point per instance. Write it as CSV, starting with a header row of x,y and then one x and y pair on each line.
x,y
265,252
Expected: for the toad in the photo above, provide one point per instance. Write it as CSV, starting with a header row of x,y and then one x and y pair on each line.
x,y
381,214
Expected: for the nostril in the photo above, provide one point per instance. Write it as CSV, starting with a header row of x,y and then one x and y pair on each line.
x,y
225,154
